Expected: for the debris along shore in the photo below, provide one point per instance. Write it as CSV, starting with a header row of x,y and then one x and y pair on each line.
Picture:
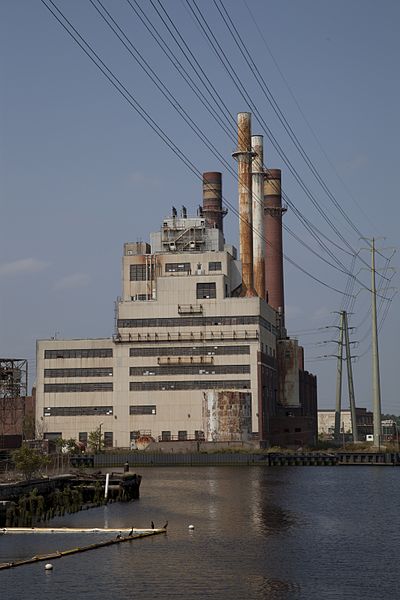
x,y
136,534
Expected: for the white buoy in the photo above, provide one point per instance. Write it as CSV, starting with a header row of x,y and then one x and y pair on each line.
x,y
48,567
191,526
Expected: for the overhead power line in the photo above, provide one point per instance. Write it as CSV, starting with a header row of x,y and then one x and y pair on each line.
x,y
221,55
291,92
116,83
170,97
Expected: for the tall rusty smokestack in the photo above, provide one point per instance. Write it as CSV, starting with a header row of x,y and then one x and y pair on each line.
x,y
243,155
212,200
258,176
273,235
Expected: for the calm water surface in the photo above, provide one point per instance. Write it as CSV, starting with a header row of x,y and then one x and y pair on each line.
x,y
277,533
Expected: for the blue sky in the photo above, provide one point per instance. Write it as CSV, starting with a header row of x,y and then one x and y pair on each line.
x,y
82,173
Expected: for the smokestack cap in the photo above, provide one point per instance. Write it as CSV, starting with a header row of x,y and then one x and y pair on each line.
x,y
273,174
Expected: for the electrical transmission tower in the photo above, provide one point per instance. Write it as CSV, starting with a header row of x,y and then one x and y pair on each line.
x,y
13,390
344,335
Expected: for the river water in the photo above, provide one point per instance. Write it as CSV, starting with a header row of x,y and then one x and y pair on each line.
x,y
277,533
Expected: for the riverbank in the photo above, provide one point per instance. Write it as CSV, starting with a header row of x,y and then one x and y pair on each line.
x,y
268,459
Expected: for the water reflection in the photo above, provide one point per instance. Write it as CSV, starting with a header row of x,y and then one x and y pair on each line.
x,y
260,533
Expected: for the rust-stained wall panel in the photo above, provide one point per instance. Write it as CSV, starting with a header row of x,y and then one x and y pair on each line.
x,y
227,416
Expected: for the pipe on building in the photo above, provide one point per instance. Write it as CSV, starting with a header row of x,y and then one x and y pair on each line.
x,y
243,154
273,212
212,210
258,176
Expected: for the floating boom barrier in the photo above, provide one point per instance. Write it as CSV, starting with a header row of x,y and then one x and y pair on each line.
x,y
136,534
123,530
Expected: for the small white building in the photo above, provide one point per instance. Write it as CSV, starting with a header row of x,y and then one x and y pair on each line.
x,y
326,422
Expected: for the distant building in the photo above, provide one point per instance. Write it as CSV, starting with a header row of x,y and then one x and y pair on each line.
x,y
326,422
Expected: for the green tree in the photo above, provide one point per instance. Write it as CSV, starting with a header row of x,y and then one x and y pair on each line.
x,y
67,446
29,461
96,440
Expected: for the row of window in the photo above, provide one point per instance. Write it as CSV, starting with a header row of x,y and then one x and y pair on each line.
x,y
93,372
78,387
146,385
186,267
190,370
142,386
77,411
157,351
194,321
82,411
83,437
189,351
182,369
165,436
79,353
145,272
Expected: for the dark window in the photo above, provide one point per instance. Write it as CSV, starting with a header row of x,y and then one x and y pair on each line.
x,y
166,436
77,411
193,321
94,372
83,437
206,290
141,272
134,435
108,439
297,429
177,267
199,435
214,266
79,353
138,386
143,409
199,369
77,387
52,435
182,435
190,351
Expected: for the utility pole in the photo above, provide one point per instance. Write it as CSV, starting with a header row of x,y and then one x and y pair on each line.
x,y
339,369
376,385
350,378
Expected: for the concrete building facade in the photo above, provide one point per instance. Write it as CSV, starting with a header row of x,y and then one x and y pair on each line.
x,y
197,353
186,353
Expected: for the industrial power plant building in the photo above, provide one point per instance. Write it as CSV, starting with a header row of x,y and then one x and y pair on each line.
x,y
200,350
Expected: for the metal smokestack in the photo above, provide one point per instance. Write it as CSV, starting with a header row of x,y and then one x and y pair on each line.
x,y
243,155
212,200
273,234
258,176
